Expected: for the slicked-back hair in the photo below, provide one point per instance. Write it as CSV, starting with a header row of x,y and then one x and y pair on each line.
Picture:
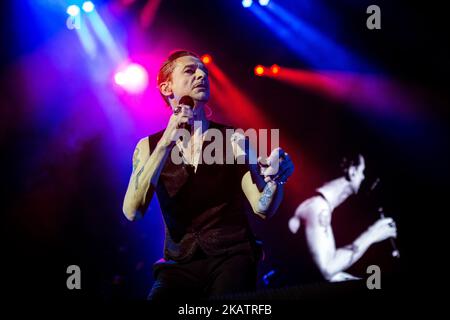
x,y
165,72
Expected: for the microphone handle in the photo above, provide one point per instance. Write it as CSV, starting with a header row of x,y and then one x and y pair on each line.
x,y
395,251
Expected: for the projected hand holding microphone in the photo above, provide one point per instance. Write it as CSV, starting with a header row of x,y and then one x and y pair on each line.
x,y
395,252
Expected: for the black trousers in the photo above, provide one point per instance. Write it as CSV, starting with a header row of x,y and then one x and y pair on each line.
x,y
204,276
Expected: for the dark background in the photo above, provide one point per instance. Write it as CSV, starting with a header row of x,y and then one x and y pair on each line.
x,y
63,208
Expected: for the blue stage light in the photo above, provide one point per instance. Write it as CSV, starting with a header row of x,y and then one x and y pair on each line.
x,y
73,10
247,3
264,2
88,6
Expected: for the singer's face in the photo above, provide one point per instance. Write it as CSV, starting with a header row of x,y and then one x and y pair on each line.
x,y
358,176
190,77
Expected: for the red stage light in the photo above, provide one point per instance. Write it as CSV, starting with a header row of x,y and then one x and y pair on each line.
x,y
259,70
275,69
206,58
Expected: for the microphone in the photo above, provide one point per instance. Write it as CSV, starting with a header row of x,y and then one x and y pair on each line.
x,y
374,184
395,252
187,101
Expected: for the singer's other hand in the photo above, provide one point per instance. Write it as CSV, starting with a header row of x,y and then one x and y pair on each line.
x,y
277,167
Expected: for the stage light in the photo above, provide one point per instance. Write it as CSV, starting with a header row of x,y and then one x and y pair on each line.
x,y
133,78
264,2
206,58
73,10
119,78
275,69
88,6
247,3
259,70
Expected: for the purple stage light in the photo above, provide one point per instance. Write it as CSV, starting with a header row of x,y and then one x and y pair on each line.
x,y
133,78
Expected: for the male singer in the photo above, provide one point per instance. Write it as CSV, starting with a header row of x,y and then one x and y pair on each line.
x,y
209,248
316,213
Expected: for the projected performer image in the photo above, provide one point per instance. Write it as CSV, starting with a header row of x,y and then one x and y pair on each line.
x,y
314,215
209,248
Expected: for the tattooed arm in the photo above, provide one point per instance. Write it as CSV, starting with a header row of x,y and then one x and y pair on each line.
x,y
265,203
147,168
144,177
332,261
263,193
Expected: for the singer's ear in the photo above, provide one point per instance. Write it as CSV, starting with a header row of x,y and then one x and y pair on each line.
x,y
351,173
166,88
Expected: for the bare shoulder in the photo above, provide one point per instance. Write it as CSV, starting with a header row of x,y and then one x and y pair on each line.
x,y
143,141
142,149
143,144
313,209
141,152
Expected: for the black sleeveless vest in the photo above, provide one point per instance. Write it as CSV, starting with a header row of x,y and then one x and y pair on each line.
x,y
203,209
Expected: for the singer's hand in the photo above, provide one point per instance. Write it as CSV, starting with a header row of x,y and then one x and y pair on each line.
x,y
383,229
183,115
277,167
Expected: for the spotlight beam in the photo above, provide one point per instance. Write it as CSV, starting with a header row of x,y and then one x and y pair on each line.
x,y
148,13
86,39
247,110
243,113
105,37
306,41
373,93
